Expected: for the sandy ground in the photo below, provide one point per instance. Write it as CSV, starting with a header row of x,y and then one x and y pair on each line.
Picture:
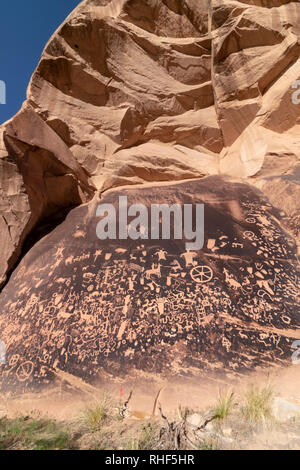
x,y
64,401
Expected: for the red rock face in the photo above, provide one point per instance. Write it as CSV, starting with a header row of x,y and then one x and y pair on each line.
x,y
132,92
89,307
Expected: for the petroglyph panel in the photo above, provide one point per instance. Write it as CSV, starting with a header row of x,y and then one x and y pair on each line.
x,y
85,306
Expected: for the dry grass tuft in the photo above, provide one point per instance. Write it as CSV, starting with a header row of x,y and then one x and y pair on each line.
x,y
224,404
258,406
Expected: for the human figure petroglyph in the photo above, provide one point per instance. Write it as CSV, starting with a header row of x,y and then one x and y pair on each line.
x,y
189,258
161,255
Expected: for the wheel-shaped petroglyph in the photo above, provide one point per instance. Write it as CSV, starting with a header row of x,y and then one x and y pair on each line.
x,y
202,274
24,371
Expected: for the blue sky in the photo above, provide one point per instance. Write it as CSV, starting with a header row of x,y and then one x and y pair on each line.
x,y
25,27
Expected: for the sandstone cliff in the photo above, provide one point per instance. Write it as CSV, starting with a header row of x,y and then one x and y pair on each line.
x,y
139,92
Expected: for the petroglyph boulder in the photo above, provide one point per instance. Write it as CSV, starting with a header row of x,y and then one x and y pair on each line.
x,y
95,308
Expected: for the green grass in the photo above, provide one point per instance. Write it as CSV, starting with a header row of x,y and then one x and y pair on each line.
x,y
95,416
258,406
58,441
208,446
149,437
100,426
224,404
98,414
30,433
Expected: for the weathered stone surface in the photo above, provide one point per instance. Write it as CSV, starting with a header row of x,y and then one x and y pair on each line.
x,y
132,92
14,211
91,307
122,84
285,410
39,177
